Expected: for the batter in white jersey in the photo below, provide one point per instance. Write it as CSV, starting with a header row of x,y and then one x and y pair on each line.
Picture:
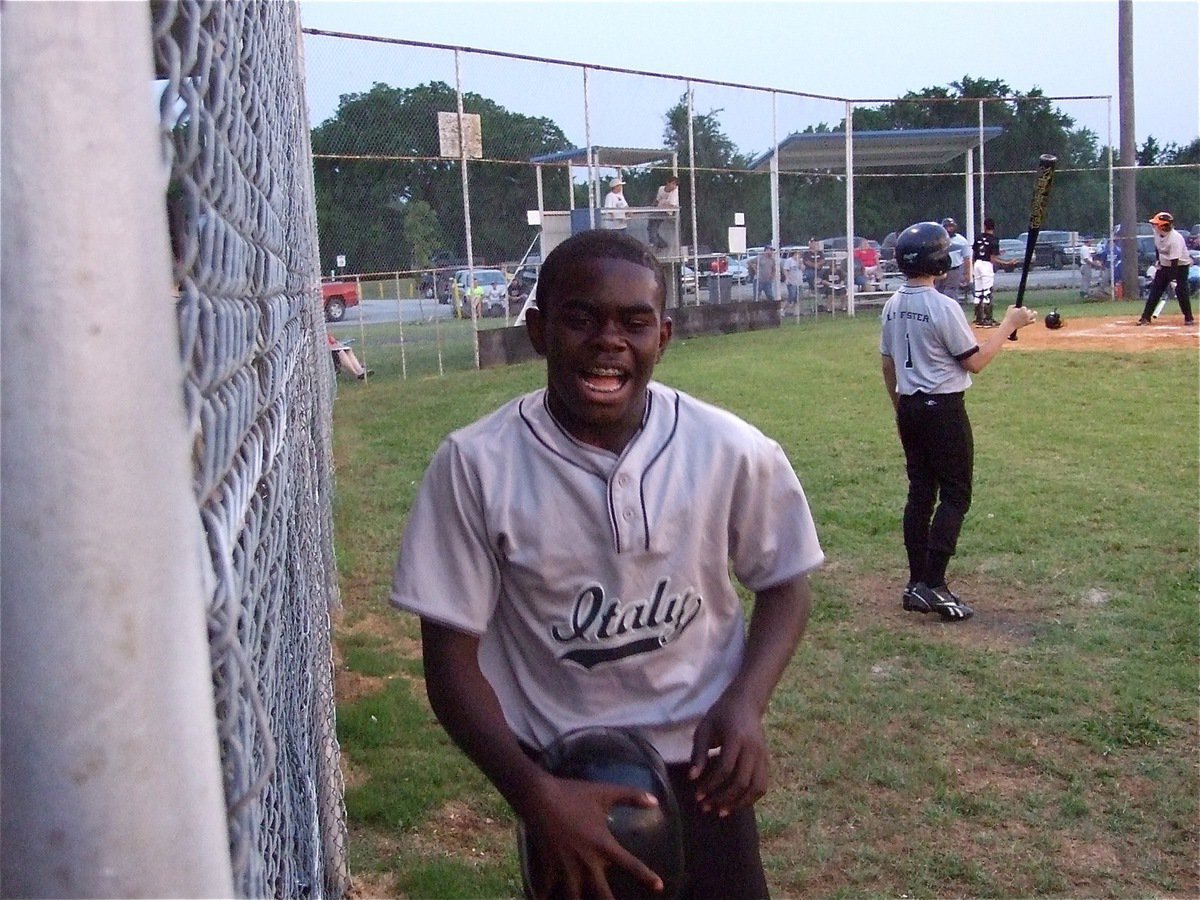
x,y
570,555
928,353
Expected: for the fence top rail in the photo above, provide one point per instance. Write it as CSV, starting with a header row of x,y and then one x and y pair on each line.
x,y
597,67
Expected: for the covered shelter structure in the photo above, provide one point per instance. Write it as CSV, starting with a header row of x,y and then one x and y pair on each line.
x,y
842,151
645,223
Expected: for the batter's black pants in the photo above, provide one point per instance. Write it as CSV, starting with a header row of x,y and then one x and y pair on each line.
x,y
1163,276
939,454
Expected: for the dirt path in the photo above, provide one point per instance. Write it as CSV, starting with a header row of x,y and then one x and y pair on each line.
x,y
1112,333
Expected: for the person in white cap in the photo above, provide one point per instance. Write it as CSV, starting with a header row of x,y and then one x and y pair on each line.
x,y
615,204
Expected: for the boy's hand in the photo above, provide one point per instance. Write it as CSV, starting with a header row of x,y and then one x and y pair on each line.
x,y
567,823
1018,317
729,757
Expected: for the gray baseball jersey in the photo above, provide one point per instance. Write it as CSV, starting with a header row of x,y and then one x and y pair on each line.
x,y
600,584
926,334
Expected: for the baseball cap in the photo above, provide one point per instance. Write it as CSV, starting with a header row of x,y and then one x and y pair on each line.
x,y
1162,218
949,221
617,179
768,246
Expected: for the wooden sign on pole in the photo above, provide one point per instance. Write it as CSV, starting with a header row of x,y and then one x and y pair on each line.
x,y
448,141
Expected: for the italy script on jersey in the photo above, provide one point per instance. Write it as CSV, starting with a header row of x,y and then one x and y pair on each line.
x,y
597,583
624,628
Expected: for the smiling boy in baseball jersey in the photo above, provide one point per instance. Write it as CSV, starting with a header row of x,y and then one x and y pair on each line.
x,y
569,557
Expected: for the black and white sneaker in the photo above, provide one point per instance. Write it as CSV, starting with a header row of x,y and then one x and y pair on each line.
x,y
913,600
944,603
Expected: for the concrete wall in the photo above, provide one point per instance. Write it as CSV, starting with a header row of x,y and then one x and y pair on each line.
x,y
505,346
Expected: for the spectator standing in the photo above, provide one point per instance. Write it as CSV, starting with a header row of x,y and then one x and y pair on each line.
x,y
1087,262
666,198
929,353
960,259
1173,260
615,205
766,273
614,605
793,276
814,263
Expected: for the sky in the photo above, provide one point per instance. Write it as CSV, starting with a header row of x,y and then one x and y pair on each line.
x,y
854,50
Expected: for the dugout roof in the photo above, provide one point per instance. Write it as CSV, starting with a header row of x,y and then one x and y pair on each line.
x,y
609,157
874,149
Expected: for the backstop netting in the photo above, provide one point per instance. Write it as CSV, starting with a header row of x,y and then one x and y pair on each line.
x,y
258,394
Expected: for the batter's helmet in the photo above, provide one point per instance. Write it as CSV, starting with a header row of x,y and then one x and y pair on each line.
x,y
1054,320
654,835
923,249
1162,218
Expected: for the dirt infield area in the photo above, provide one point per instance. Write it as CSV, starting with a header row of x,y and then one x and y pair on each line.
x,y
1117,334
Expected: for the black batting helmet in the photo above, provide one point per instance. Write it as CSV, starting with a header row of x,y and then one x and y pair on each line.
x,y
923,249
1054,320
654,835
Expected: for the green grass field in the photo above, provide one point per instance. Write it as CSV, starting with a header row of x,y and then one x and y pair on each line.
x,y
1048,747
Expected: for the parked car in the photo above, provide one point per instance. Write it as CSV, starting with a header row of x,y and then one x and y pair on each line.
x,y
1146,254
731,266
887,252
1011,251
437,281
1056,249
337,297
726,265
835,247
521,285
494,283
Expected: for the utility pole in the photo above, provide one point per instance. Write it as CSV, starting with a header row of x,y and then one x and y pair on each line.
x,y
1127,209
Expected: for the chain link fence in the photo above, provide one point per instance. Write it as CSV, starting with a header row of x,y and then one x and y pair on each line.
x,y
258,393
402,209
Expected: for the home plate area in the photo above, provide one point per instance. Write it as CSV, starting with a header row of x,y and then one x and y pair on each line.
x,y
1116,333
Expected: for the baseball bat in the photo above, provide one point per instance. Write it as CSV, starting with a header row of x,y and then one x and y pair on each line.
x,y
1037,215
1158,308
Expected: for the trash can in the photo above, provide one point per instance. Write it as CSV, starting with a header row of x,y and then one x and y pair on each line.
x,y
720,288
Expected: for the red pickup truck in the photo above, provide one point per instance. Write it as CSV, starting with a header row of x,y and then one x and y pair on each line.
x,y
337,295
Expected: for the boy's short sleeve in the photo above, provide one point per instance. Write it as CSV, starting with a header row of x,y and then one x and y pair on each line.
x,y
773,537
445,570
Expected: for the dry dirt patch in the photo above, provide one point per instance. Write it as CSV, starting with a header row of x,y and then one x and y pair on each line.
x,y
1117,334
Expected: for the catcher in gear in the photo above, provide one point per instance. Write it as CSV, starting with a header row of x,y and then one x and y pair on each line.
x,y
985,253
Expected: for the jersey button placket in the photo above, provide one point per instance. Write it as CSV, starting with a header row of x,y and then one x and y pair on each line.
x,y
625,502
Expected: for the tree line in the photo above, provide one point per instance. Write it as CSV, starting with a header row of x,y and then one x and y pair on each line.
x,y
388,201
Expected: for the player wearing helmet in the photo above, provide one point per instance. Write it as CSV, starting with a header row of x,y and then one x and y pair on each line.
x,y
1173,263
985,254
929,353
